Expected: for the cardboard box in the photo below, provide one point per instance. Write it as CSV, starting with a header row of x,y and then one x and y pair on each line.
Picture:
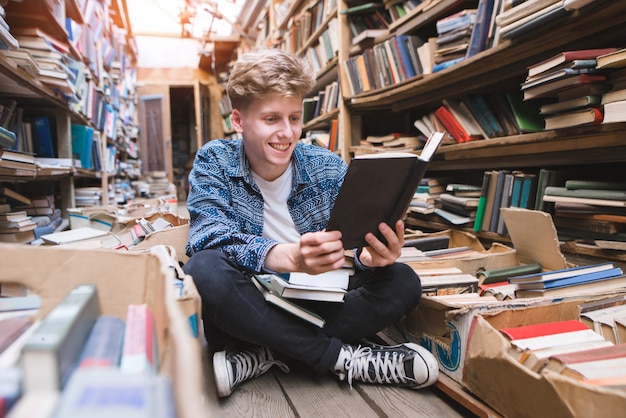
x,y
497,256
123,277
499,380
443,325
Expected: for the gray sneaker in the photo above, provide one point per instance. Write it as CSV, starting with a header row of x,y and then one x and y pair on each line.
x,y
409,365
233,367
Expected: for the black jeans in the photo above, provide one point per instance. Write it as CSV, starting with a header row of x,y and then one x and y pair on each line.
x,y
232,304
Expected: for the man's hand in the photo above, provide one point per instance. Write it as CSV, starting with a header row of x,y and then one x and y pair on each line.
x,y
377,254
317,252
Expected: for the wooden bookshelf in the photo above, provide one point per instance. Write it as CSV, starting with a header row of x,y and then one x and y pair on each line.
x,y
35,97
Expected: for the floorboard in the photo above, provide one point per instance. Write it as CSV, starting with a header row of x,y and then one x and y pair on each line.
x,y
302,393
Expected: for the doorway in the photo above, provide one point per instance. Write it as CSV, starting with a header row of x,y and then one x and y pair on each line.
x,y
183,125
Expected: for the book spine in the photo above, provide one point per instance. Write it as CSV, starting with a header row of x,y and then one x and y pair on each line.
x,y
103,347
541,329
49,355
482,202
139,352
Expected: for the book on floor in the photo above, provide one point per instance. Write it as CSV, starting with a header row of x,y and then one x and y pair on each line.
x,y
378,188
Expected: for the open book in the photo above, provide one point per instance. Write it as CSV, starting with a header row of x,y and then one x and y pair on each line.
x,y
378,188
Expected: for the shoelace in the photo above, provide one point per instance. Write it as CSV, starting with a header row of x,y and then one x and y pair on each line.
x,y
249,364
381,367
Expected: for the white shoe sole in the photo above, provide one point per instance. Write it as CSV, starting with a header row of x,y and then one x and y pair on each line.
x,y
220,371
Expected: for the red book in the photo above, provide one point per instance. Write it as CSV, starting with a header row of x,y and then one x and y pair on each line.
x,y
452,125
139,352
566,56
547,328
590,116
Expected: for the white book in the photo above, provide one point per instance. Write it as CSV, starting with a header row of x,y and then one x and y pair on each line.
x,y
555,340
334,278
296,291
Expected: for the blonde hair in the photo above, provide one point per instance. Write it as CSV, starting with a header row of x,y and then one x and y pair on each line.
x,y
264,72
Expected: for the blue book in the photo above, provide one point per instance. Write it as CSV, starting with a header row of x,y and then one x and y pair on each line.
x,y
405,57
529,190
82,138
478,40
446,64
574,280
516,193
43,137
561,273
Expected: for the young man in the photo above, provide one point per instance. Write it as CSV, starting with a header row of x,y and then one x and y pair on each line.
x,y
260,205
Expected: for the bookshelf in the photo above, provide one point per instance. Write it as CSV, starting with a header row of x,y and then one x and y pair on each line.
x,y
593,151
101,55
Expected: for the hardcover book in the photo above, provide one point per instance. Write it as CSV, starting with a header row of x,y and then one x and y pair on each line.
x,y
294,291
109,392
140,349
572,281
560,274
103,347
392,178
50,353
566,56
264,286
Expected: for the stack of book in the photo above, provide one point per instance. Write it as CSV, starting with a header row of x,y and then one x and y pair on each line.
x,y
534,345
458,210
293,291
573,281
589,208
367,21
454,33
76,352
614,100
572,80
446,281
16,227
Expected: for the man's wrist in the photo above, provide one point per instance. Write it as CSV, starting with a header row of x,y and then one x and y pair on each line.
x,y
357,262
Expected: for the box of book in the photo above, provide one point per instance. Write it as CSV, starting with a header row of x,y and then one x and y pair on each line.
x,y
443,323
499,358
458,249
113,281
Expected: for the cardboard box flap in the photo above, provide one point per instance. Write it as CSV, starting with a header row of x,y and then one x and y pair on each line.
x,y
493,375
534,237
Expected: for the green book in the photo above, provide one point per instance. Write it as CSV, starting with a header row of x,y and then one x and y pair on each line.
x,y
595,184
502,274
362,8
586,193
52,350
482,202
527,114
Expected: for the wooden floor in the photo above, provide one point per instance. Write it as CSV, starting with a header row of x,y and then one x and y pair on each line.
x,y
302,393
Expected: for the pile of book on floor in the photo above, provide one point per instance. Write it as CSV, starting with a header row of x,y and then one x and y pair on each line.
x,y
73,359
573,281
591,348
27,219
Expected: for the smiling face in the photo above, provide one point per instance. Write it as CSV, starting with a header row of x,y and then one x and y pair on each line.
x,y
271,128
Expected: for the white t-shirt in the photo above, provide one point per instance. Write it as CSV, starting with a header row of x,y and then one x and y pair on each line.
x,y
278,224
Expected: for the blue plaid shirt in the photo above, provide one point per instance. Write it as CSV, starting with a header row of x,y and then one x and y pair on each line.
x,y
226,206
